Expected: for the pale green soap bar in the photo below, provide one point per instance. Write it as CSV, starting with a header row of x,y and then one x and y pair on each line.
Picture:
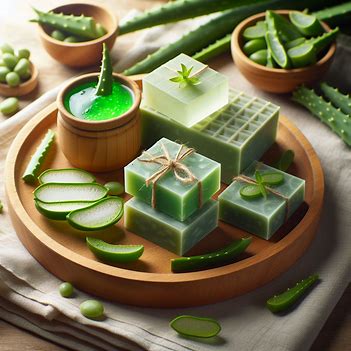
x,y
178,237
190,104
235,136
261,216
173,197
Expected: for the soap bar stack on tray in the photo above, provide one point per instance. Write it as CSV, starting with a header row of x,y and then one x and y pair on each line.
x,y
172,188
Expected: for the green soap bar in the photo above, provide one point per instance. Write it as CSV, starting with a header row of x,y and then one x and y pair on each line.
x,y
261,216
190,104
165,231
173,197
234,136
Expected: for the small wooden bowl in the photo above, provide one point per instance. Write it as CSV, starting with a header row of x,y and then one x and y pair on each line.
x,y
99,146
276,80
85,53
24,88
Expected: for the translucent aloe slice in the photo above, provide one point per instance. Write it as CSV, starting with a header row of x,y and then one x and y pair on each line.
x,y
195,326
100,215
255,32
250,192
272,178
60,210
114,253
277,49
302,55
66,175
59,192
306,24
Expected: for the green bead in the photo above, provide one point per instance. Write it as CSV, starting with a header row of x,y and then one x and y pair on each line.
x,y
66,289
9,60
3,73
6,48
23,53
22,67
58,35
114,188
13,79
92,309
9,106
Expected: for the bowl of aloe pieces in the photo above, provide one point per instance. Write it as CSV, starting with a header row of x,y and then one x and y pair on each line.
x,y
279,50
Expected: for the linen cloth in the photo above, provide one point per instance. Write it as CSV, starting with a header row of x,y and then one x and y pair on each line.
x,y
29,294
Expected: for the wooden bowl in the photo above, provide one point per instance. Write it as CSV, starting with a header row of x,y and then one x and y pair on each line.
x,y
24,88
276,80
85,53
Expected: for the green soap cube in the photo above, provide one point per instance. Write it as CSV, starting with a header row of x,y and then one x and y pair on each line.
x,y
165,231
187,104
235,136
173,197
261,216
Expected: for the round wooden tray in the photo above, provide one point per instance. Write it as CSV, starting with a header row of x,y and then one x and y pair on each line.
x,y
149,282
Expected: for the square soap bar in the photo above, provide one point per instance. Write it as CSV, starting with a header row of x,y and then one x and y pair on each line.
x,y
165,231
235,136
173,197
189,104
261,216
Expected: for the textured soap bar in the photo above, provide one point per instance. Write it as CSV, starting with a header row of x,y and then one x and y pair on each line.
x,y
175,236
173,197
234,136
188,104
261,216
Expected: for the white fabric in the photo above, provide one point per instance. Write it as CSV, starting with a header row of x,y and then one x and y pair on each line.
x,y
29,294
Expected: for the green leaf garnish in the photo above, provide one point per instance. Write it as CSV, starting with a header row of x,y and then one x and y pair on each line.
x,y
184,78
273,178
250,192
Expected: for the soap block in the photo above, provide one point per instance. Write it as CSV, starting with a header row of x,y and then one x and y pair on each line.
x,y
178,237
261,216
187,104
235,136
172,196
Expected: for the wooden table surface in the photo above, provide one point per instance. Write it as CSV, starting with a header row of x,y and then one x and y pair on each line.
x,y
15,29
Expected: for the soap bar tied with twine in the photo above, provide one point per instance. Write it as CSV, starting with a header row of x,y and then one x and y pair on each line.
x,y
181,172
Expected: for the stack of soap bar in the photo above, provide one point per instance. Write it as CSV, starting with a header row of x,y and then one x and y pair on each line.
x,y
173,197
187,104
234,136
261,216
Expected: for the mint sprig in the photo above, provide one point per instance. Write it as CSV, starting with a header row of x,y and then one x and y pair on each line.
x,y
184,78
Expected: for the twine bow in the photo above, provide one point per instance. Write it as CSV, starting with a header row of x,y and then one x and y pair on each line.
x,y
181,172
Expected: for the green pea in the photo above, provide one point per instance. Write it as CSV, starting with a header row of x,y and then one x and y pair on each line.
x,y
92,309
22,66
114,188
13,79
259,57
6,48
254,45
23,53
66,289
9,60
71,39
58,35
26,75
3,73
9,106
100,30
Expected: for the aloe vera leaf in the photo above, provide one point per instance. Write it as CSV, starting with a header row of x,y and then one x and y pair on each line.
x,y
254,45
338,99
104,86
218,47
213,259
338,121
302,55
100,215
259,57
285,300
285,160
335,15
195,326
285,29
308,25
291,44
81,26
114,253
66,175
33,167
62,192
324,40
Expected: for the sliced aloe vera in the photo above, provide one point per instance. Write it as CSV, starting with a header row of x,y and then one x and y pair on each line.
x,y
100,215
33,167
293,43
272,178
306,24
195,326
302,55
114,253
277,50
285,29
60,192
60,210
259,57
254,45
250,192
255,32
66,175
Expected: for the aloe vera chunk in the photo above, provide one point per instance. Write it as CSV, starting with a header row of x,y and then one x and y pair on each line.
x,y
293,43
254,45
100,215
257,31
286,30
33,168
66,175
259,57
218,47
307,25
324,40
302,55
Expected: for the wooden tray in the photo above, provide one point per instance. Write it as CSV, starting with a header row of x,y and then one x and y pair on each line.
x,y
149,282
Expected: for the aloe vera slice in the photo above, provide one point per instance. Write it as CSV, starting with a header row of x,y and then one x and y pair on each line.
x,y
302,55
195,326
293,43
255,32
60,192
272,178
66,175
60,210
259,57
286,30
250,192
100,215
114,253
306,24
33,167
254,45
